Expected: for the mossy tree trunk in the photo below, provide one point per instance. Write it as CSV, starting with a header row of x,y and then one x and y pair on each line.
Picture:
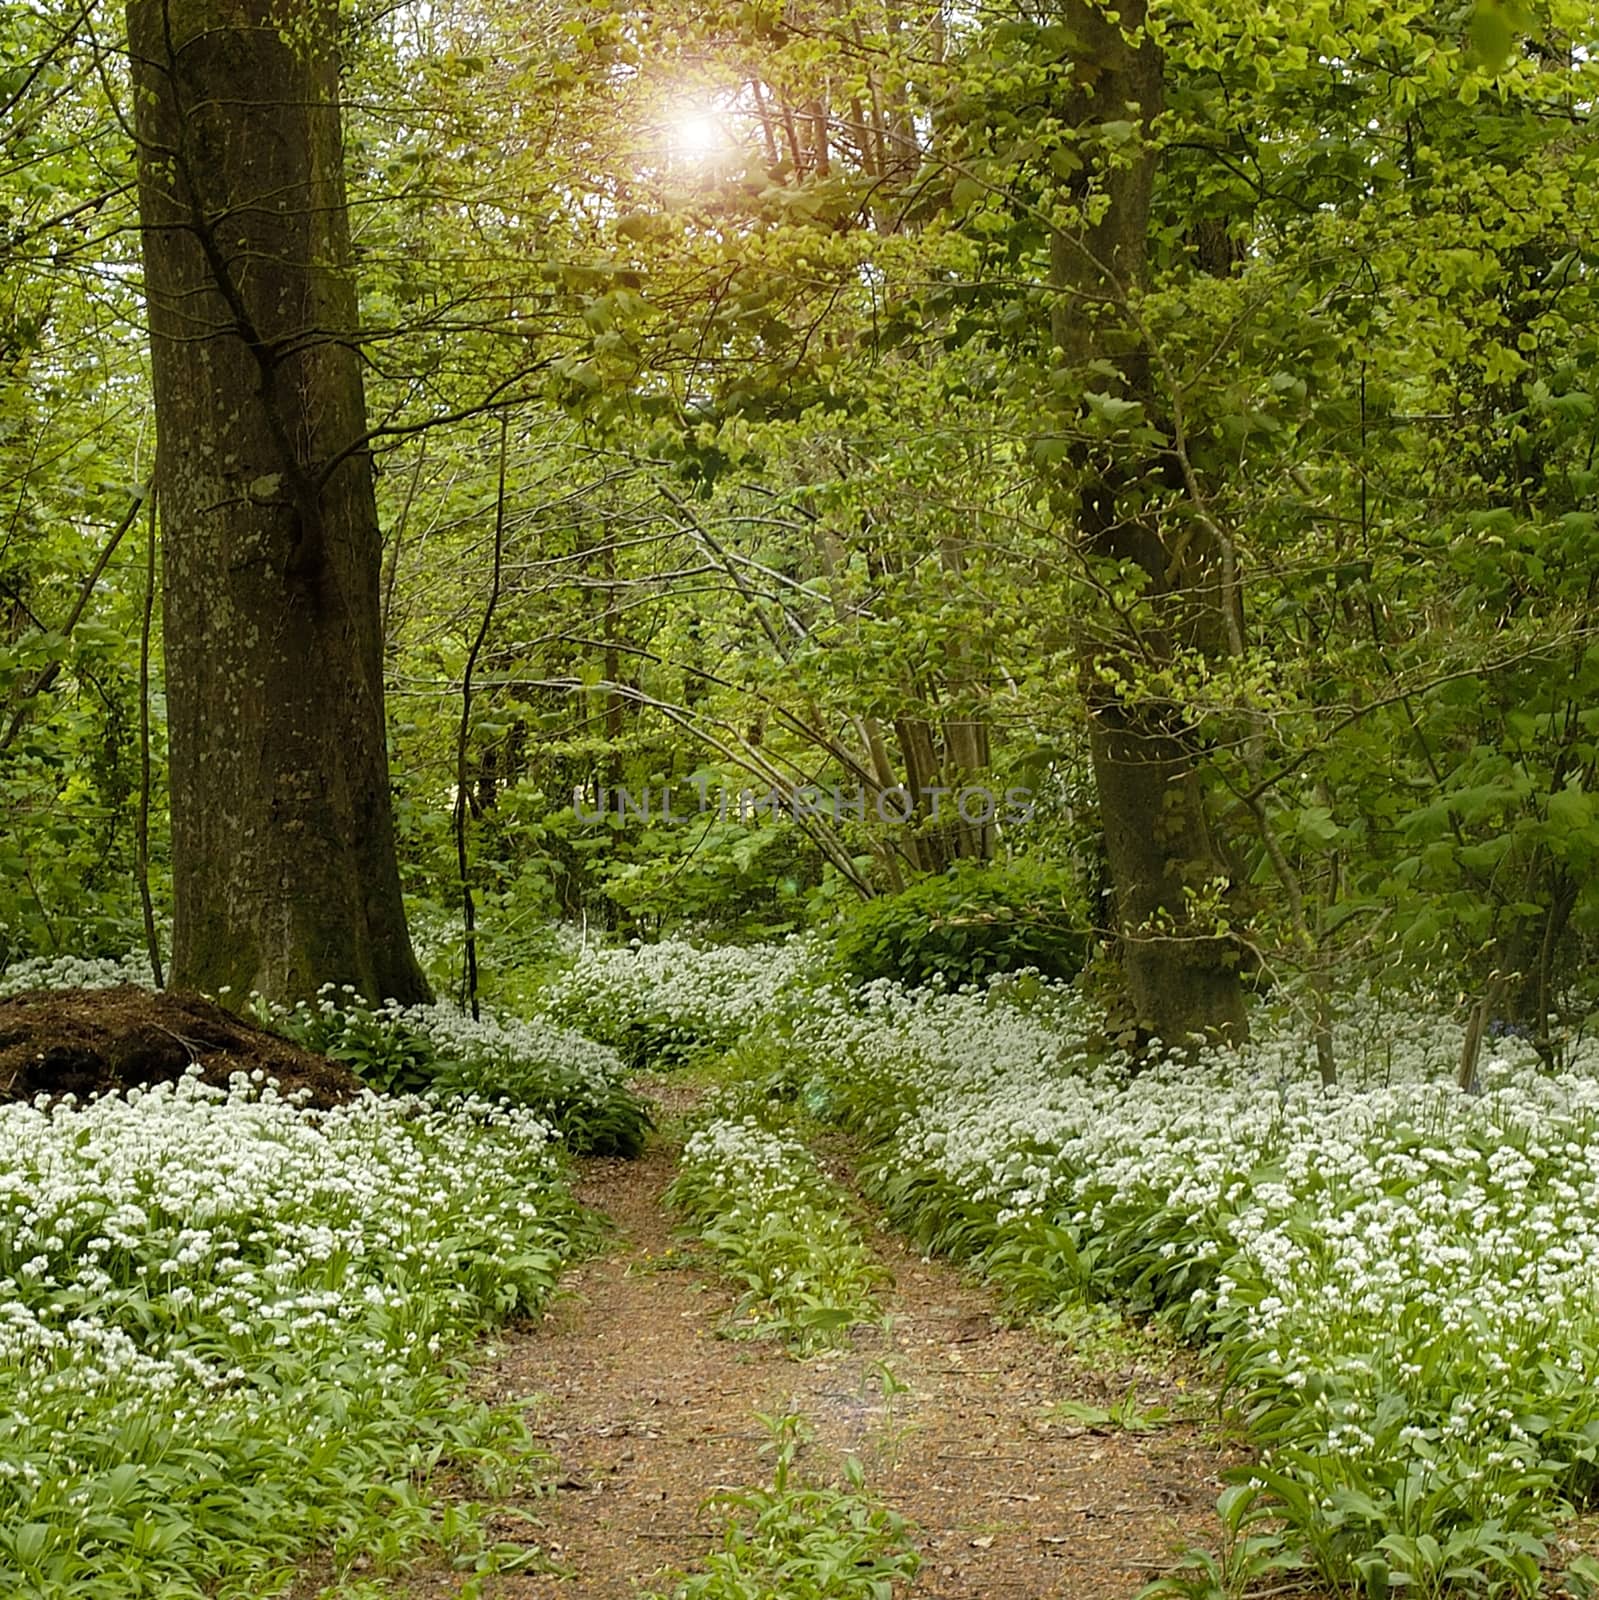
x,y
284,868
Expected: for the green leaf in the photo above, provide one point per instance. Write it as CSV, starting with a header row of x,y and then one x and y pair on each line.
x,y
1492,37
1571,810
1109,409
1315,825
966,193
30,1542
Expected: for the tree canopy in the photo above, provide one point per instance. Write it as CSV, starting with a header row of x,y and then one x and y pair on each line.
x,y
1181,417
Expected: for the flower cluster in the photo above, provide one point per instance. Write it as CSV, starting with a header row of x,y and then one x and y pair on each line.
x,y
781,1227
658,1003
74,972
217,1310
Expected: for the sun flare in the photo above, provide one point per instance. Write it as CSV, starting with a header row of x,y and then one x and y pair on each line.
x,y
696,133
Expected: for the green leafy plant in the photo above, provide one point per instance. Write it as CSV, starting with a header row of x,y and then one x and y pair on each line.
x,y
662,1005
579,1086
1125,1415
234,1328
799,1541
890,1387
1254,1554
777,1225
966,925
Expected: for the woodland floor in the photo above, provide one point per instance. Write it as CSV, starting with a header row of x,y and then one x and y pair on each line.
x,y
650,1409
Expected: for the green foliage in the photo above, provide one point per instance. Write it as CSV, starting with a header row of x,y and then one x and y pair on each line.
x,y
797,464
1125,1415
731,879
375,1044
801,482
1254,1552
662,1005
780,1227
576,1085
233,1329
1415,1454
797,1541
69,775
592,1119
72,461
966,925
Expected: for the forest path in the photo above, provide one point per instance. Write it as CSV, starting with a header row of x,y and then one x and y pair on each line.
x,y
649,1410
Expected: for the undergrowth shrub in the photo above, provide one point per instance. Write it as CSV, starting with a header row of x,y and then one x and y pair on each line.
x,y
966,925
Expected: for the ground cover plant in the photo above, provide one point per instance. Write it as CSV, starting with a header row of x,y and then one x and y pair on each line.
x,y
796,1540
572,1082
578,1085
661,1004
778,1225
72,972
229,1329
1397,1277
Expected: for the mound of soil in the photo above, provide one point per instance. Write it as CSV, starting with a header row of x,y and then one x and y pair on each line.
x,y
99,1041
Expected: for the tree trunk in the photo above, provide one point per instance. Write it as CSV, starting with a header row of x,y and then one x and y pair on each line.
x,y
1182,980
1182,977
284,869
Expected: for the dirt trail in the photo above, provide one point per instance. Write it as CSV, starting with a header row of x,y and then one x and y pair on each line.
x,y
649,1411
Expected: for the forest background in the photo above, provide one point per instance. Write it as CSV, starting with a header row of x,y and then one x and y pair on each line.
x,y
1183,416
